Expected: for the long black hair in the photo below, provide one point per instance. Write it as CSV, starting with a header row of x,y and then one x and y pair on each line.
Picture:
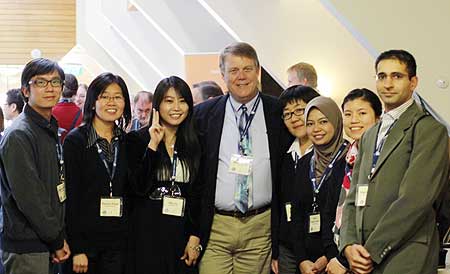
x,y
187,144
96,88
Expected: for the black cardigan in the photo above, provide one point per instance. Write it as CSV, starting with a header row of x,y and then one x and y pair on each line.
x,y
86,181
312,246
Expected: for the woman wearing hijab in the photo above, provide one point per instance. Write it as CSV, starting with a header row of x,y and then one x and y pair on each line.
x,y
320,175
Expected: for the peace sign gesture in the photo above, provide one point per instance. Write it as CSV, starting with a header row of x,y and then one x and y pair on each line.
x,y
156,131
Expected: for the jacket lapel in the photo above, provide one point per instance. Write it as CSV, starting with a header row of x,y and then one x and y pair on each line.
x,y
215,126
396,135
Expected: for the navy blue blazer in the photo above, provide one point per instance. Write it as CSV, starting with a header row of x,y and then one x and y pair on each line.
x,y
209,118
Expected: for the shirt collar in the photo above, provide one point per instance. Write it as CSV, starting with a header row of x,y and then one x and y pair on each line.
x,y
236,105
93,137
295,148
37,118
395,113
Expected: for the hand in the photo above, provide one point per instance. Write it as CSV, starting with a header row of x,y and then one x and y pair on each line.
x,y
62,254
334,267
359,259
274,265
307,267
190,252
80,263
156,131
320,264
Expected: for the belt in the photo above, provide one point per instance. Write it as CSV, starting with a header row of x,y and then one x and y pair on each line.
x,y
238,214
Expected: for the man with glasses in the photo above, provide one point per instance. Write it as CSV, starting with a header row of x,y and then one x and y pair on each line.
x,y
142,108
389,219
32,176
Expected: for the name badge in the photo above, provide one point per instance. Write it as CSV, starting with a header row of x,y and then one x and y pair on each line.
x,y
314,223
111,206
61,188
173,206
361,194
241,164
288,207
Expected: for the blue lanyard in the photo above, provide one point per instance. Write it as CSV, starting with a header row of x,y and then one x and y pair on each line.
x,y
59,154
174,166
377,149
326,173
105,163
244,133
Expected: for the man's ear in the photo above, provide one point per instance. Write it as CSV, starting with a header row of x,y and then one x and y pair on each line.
x,y
13,107
414,83
25,91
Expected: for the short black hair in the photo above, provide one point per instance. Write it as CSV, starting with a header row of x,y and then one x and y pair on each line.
x,y
402,56
366,95
297,93
38,66
96,88
70,86
13,96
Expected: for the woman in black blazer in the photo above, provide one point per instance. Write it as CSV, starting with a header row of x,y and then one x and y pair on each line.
x,y
164,161
319,176
97,183
294,100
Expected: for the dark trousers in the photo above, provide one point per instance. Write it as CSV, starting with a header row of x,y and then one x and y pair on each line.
x,y
103,262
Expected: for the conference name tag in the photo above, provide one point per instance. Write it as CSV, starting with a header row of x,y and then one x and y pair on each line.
x,y
241,164
314,223
361,194
111,206
61,188
288,208
173,206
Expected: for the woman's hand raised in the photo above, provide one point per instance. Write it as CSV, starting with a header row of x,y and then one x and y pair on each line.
x,y
156,131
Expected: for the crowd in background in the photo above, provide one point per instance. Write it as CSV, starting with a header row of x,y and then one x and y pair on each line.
x,y
182,180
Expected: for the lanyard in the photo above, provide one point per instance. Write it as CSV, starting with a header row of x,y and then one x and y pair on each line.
x,y
326,173
377,149
174,167
296,161
111,174
244,133
59,154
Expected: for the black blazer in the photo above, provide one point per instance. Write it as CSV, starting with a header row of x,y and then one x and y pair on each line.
x,y
209,118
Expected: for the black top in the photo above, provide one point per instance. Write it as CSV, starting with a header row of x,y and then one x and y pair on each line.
x,y
87,180
282,228
311,246
33,214
157,240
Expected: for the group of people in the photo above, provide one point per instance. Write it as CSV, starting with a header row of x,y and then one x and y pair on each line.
x,y
241,183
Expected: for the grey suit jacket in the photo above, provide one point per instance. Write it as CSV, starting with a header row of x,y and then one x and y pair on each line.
x,y
398,224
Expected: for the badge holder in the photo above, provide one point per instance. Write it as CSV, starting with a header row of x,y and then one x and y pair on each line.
x,y
173,203
61,188
361,194
288,208
111,206
314,218
241,164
